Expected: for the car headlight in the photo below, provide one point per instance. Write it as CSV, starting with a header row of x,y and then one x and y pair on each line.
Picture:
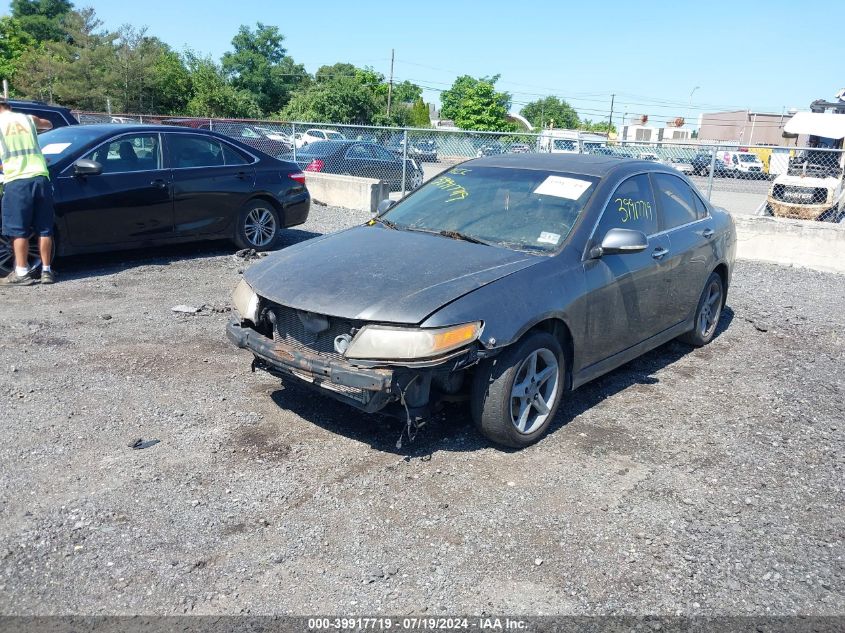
x,y
245,301
381,342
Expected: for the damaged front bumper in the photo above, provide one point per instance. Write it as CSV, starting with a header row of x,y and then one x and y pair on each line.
x,y
368,389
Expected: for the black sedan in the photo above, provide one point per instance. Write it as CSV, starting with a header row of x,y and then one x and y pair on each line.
x,y
507,281
358,158
132,186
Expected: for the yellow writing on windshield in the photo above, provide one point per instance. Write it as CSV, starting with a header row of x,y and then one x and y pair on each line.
x,y
456,191
634,209
460,171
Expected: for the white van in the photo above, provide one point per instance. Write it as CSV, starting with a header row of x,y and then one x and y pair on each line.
x,y
742,164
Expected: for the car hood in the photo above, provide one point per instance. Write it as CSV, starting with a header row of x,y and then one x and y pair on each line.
x,y
372,273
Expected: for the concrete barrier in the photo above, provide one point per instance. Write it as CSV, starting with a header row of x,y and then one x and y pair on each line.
x,y
817,245
346,191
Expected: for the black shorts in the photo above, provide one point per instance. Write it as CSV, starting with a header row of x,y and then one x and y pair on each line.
x,y
28,207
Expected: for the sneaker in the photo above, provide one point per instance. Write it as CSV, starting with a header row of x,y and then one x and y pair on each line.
x,y
12,279
48,277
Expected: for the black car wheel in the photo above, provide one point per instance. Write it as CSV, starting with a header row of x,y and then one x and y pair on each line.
x,y
707,313
7,255
416,180
259,226
516,394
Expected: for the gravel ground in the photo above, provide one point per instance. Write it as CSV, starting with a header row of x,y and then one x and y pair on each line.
x,y
687,482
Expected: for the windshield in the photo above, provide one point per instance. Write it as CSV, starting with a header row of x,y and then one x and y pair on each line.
x,y
749,158
64,141
520,209
334,136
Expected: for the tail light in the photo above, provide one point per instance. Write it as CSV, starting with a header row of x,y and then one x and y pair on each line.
x,y
298,177
315,165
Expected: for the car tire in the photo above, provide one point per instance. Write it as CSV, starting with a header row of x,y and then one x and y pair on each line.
x,y
259,226
707,313
496,406
416,180
7,257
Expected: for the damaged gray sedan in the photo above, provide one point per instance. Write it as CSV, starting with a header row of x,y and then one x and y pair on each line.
x,y
506,282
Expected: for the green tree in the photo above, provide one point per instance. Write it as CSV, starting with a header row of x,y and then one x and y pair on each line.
x,y
406,92
259,64
419,114
551,110
14,42
42,19
600,126
213,96
342,99
474,104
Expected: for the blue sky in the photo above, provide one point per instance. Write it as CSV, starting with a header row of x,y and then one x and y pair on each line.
x,y
652,55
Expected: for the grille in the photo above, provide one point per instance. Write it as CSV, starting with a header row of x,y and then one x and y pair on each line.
x,y
291,330
800,195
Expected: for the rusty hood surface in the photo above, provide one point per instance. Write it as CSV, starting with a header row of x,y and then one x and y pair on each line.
x,y
374,273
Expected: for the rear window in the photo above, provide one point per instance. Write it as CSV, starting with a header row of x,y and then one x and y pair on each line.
x,y
318,148
64,141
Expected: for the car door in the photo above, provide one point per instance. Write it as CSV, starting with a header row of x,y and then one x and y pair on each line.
x,y
212,180
359,161
626,292
130,201
689,227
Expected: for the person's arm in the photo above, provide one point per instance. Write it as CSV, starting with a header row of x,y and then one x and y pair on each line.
x,y
42,125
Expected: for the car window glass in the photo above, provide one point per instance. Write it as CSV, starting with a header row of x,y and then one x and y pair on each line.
x,y
134,152
359,151
186,150
700,207
232,157
248,133
677,201
631,207
382,154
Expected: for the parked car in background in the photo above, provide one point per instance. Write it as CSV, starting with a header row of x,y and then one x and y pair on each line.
x,y
682,164
519,148
649,156
244,132
423,150
505,283
703,161
490,149
59,116
314,135
358,158
273,134
123,186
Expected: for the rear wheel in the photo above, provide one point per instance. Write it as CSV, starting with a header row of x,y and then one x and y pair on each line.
x,y
259,226
516,394
707,313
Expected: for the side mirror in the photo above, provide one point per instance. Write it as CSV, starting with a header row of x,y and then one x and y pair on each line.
x,y
620,242
383,207
86,167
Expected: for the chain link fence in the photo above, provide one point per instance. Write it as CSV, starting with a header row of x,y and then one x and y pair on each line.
x,y
786,181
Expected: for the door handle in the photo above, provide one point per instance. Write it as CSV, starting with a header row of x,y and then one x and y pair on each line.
x,y
708,233
159,183
659,253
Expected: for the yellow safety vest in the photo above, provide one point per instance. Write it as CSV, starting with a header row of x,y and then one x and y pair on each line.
x,y
19,149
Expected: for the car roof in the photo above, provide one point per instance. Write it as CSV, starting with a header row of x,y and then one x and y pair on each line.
x,y
599,165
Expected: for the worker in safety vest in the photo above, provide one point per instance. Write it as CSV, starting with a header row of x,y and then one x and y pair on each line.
x,y
27,193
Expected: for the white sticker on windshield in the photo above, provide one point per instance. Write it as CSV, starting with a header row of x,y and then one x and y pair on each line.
x,y
54,148
548,238
562,187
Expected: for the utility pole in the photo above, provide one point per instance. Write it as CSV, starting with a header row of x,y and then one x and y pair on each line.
x,y
610,120
390,84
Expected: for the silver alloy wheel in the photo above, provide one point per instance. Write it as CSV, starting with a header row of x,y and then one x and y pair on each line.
x,y
260,226
7,255
534,391
711,310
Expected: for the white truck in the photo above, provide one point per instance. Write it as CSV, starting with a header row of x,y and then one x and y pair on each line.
x,y
570,141
812,186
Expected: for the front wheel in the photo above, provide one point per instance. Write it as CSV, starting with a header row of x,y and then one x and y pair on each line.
x,y
707,313
259,226
516,394
416,180
7,255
